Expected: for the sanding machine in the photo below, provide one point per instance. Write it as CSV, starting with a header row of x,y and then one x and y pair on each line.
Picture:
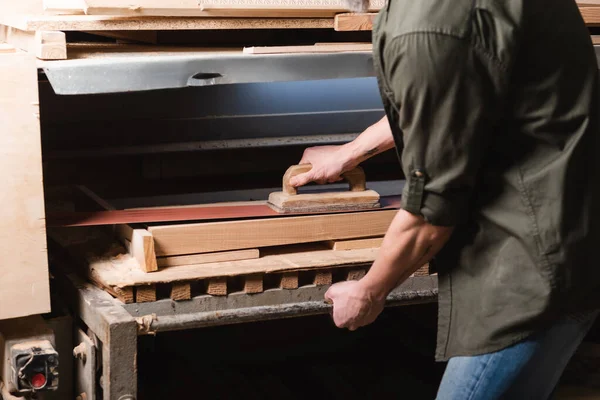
x,y
194,139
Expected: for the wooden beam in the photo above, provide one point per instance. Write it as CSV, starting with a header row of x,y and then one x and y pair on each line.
x,y
145,294
354,22
206,258
289,280
253,283
24,276
323,278
45,45
217,286
254,233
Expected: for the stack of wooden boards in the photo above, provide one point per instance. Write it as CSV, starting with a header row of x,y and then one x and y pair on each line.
x,y
39,26
149,261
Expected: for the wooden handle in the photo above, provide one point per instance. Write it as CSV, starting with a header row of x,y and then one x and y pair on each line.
x,y
355,177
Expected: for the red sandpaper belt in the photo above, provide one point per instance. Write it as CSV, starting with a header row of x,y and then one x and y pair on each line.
x,y
173,214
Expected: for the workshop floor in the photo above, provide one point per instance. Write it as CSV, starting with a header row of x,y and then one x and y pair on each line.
x,y
303,358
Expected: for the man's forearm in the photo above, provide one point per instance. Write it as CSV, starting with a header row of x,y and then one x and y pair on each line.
x,y
409,243
374,140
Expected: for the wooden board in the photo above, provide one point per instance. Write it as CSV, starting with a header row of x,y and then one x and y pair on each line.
x,y
322,48
24,282
354,22
203,8
32,22
254,233
355,244
174,261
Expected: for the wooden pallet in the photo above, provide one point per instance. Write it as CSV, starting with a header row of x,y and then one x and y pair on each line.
x,y
109,265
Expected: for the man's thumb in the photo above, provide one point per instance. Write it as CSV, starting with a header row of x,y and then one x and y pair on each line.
x,y
301,180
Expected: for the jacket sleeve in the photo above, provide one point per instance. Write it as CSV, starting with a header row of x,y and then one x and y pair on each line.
x,y
448,97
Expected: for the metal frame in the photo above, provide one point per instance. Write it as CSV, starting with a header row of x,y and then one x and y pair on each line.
x,y
129,72
117,325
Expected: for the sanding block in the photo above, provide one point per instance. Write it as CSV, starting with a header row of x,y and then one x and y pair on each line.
x,y
356,198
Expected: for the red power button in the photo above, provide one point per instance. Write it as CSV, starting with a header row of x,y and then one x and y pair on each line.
x,y
38,381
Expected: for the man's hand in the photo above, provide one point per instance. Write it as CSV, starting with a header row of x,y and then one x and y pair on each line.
x,y
330,162
353,305
328,165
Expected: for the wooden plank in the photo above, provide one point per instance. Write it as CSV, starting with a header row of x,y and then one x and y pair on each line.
x,y
145,294
254,233
181,291
289,280
323,278
174,261
140,244
34,22
596,39
354,22
253,284
217,286
24,282
178,8
322,48
355,244
45,45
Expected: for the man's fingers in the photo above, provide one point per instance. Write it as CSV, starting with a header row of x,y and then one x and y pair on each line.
x,y
302,179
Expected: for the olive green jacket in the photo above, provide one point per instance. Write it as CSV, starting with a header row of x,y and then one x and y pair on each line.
x,y
494,109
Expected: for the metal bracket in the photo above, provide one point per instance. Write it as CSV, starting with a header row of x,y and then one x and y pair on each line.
x,y
85,366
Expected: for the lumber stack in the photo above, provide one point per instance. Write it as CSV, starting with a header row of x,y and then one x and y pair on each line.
x,y
39,26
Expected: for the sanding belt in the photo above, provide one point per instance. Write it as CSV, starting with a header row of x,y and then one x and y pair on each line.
x,y
178,214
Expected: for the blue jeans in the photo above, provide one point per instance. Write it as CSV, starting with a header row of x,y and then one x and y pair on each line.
x,y
527,370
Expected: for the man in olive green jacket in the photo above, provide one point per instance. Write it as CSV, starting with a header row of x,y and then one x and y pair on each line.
x,y
493,109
